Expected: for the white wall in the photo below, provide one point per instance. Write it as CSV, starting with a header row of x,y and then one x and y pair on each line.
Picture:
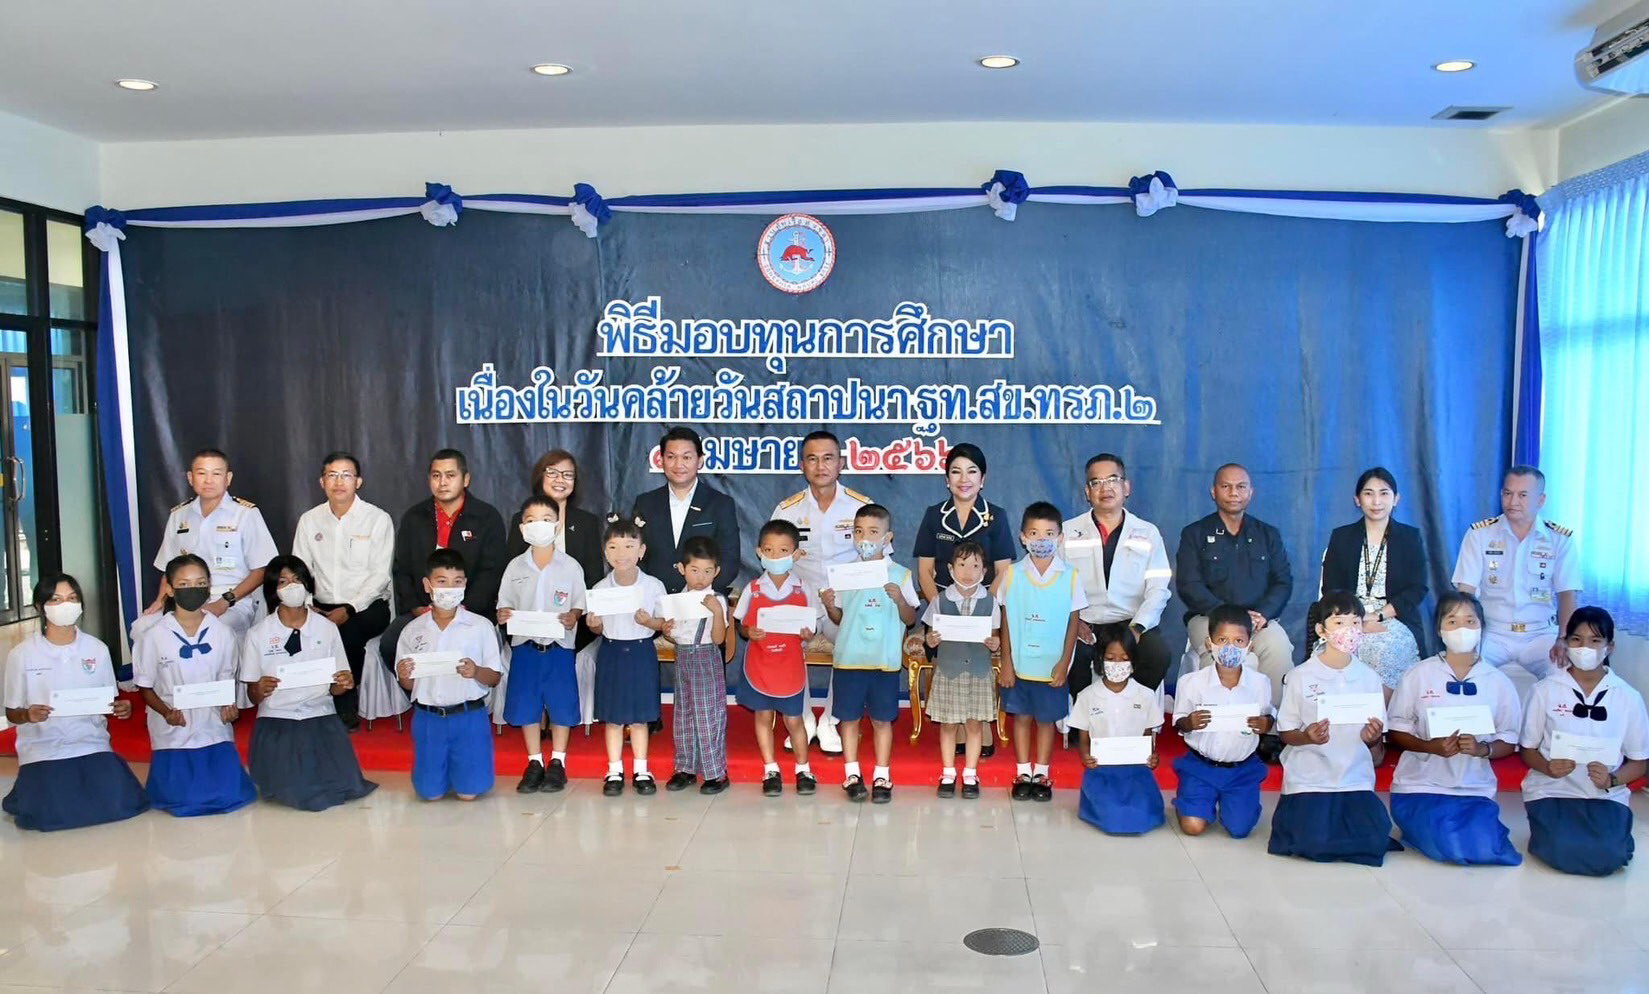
x,y
621,161
1618,131
41,165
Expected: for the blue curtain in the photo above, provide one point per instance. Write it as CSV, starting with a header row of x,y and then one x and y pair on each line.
x,y
1594,316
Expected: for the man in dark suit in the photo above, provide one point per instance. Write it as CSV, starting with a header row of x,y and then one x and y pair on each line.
x,y
686,508
452,519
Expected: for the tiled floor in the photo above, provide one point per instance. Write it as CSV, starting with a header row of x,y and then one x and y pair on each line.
x,y
678,892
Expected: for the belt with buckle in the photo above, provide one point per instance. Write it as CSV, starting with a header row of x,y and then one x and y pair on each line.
x,y
1215,762
478,704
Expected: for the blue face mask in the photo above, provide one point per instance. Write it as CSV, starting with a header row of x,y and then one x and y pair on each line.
x,y
1042,548
868,550
1230,655
777,567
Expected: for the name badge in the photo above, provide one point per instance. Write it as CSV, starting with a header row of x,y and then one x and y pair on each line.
x,y
227,528
1541,595
223,562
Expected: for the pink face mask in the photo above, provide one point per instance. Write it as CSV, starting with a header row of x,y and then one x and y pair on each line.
x,y
1346,639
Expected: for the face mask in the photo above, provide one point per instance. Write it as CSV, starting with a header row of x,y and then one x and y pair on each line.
x,y
1346,639
292,595
447,598
1230,656
1118,670
191,598
63,615
1042,548
539,533
868,550
778,567
1462,639
1584,657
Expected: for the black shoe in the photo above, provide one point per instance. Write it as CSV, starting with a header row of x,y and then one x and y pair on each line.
x,y
1042,789
680,781
961,749
532,781
654,727
1023,789
352,722
881,792
855,787
645,784
805,784
947,788
613,786
715,786
772,784
555,777
988,751
970,791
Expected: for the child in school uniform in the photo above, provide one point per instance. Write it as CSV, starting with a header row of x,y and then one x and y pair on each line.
x,y
775,671
195,769
451,727
699,719
626,666
1220,774
1442,793
1328,811
543,671
1580,815
300,756
1041,596
1118,800
67,775
962,696
869,654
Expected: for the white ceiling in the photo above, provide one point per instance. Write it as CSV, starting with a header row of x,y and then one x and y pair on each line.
x,y
231,68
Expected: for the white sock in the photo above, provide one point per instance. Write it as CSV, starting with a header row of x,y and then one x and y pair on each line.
x,y
970,775
1040,770
535,757
1022,770
558,757
803,768
639,766
769,768
947,774
850,770
881,773
615,770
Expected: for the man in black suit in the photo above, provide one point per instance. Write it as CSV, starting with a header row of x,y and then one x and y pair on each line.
x,y
452,519
686,508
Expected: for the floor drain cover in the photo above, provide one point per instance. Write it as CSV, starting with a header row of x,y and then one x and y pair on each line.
x,y
1001,942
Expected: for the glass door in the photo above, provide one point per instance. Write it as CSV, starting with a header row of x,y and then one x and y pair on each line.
x,y
19,552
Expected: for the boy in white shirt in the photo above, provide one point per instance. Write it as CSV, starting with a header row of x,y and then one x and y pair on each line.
x,y
1220,776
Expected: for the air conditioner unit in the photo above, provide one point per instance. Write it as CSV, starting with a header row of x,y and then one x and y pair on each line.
x,y
1617,60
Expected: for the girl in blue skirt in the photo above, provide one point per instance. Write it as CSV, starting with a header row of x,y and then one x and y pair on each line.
x,y
1442,795
1580,815
1118,800
195,769
67,776
1328,811
626,665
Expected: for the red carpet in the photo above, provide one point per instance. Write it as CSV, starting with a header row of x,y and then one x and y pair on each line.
x,y
385,749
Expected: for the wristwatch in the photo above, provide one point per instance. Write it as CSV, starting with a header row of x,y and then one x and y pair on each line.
x,y
1614,781
229,597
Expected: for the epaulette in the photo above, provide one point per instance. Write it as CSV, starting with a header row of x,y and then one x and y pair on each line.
x,y
1486,522
856,495
1565,532
179,507
243,502
792,500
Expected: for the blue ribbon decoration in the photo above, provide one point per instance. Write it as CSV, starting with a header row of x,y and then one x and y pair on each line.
x,y
105,228
1525,219
1152,192
441,206
1005,191
589,210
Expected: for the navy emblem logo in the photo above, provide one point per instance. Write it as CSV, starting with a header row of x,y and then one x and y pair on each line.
x,y
796,253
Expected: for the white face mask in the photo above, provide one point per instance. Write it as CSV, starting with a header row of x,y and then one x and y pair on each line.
x,y
538,533
1118,670
63,615
1462,639
1584,657
292,595
447,598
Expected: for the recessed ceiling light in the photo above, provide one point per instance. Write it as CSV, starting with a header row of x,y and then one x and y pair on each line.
x,y
552,69
999,62
141,85
1454,65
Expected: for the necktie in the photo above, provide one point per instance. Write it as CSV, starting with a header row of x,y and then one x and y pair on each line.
x,y
294,643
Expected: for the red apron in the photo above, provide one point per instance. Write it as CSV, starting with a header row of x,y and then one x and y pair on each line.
x,y
774,666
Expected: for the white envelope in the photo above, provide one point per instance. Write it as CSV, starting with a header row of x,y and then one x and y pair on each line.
x,y
216,694
1351,709
685,606
427,664
1121,750
961,628
786,619
1229,717
82,700
309,673
1585,749
868,575
1473,719
536,625
610,602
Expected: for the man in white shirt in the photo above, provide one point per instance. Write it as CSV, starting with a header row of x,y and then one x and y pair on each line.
x,y
349,546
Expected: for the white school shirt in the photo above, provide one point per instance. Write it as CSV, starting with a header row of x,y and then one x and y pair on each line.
x,y
233,540
1137,589
1425,687
37,667
687,632
263,653
955,596
1518,582
623,627
350,556
1344,764
470,635
827,533
1202,688
158,664
775,592
1549,711
1103,713
678,509
557,588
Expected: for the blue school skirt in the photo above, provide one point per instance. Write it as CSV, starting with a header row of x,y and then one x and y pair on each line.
x,y
1332,827
1571,835
206,781
55,794
306,763
1452,829
1230,793
626,682
1121,800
